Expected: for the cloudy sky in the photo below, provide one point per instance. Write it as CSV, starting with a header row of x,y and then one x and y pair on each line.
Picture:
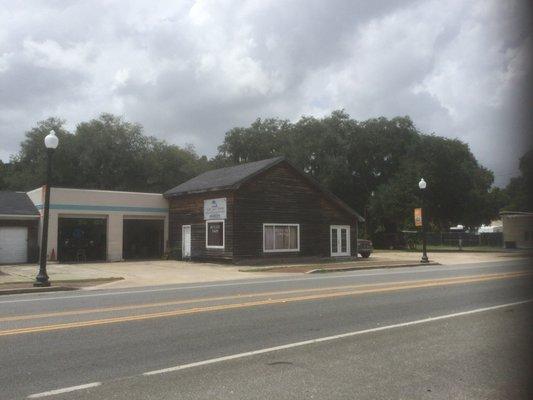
x,y
190,70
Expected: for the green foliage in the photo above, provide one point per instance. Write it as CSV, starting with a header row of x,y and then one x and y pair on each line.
x,y
104,153
519,191
174,253
375,165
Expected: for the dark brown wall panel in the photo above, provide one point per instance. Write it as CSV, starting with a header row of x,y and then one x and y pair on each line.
x,y
282,195
189,210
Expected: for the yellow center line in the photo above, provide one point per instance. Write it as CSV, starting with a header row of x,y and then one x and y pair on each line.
x,y
234,297
174,313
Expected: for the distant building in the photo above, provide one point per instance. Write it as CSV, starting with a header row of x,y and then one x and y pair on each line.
x,y
494,226
517,229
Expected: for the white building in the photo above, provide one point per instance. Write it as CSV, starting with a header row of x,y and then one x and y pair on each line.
x,y
98,225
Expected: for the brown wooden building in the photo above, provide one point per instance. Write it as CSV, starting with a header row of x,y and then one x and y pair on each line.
x,y
257,210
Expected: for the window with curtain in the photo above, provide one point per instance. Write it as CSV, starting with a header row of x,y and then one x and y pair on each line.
x,y
281,237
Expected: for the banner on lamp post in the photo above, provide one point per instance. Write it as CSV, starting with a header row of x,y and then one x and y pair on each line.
x,y
418,217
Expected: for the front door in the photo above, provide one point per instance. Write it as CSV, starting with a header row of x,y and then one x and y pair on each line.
x,y
186,241
340,240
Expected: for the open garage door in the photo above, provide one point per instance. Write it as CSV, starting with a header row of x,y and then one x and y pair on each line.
x,y
143,239
82,239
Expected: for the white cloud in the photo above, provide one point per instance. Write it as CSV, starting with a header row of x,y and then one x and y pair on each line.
x,y
191,70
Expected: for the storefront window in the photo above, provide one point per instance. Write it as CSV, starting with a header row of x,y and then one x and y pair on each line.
x,y
282,237
215,234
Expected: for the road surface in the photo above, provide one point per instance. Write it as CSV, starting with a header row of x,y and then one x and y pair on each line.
x,y
432,332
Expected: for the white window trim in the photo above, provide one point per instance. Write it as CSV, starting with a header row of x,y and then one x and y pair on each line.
x,y
223,233
348,241
282,250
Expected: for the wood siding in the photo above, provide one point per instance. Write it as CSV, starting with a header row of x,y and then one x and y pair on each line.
x,y
189,210
282,195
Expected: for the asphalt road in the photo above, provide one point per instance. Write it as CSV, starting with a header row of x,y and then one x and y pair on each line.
x,y
431,332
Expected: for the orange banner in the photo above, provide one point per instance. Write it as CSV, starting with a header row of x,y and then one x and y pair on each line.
x,y
418,217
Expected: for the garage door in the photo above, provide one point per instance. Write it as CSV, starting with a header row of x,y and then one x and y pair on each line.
x,y
82,239
13,244
143,239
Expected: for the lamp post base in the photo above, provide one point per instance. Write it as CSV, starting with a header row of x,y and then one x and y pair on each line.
x,y
424,260
42,279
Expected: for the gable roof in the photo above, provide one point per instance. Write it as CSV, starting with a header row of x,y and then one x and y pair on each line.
x,y
16,203
222,178
231,178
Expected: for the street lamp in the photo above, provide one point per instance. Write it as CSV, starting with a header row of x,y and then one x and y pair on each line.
x,y
50,141
422,185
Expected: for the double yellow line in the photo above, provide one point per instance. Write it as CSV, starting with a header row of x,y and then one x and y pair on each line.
x,y
338,291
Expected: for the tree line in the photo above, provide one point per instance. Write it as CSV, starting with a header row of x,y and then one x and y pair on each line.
x,y
373,165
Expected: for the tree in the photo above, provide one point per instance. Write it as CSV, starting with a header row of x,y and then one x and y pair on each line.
x,y
104,153
387,157
373,165
519,191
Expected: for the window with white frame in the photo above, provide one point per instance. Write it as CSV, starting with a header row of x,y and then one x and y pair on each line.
x,y
214,234
281,237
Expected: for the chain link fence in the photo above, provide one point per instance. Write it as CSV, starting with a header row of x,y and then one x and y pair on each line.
x,y
459,240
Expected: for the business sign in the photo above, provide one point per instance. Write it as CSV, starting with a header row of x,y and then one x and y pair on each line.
x,y
215,208
418,217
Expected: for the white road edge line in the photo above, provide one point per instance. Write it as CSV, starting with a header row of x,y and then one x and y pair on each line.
x,y
64,390
328,338
259,281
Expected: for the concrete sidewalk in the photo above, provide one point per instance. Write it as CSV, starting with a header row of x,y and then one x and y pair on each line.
x,y
447,258
161,272
385,259
131,274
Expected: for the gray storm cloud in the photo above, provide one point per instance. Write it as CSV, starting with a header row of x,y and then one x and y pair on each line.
x,y
189,71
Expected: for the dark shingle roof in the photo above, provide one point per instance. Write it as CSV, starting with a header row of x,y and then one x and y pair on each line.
x,y
223,178
16,203
233,177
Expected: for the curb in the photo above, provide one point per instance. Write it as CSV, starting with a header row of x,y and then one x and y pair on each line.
x,y
68,281
36,290
21,290
341,269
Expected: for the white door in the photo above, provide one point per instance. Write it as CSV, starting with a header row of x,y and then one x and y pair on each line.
x,y
340,240
186,241
13,244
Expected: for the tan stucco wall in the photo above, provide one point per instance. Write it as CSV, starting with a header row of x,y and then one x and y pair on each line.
x,y
113,205
515,227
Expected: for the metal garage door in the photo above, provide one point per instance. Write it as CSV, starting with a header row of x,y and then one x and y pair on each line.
x,y
13,244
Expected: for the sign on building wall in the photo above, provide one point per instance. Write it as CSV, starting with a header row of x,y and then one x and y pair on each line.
x,y
215,208
418,217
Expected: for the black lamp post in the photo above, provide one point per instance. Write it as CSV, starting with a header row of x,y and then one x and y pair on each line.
x,y
422,185
50,141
